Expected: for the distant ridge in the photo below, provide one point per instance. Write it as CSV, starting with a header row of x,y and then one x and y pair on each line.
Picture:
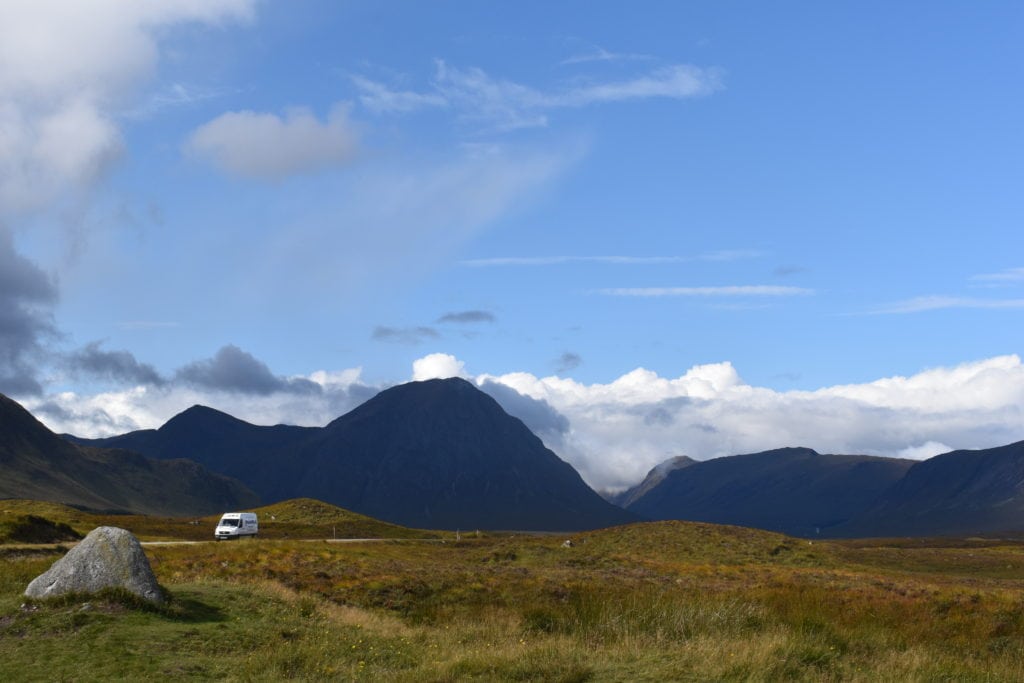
x,y
36,463
795,491
961,492
436,454
655,476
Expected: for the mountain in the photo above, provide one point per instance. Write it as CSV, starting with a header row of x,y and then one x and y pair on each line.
x,y
962,492
434,454
36,463
656,475
796,491
265,458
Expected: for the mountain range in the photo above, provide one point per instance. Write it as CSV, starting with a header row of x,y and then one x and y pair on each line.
x,y
437,454
800,492
36,463
443,454
795,491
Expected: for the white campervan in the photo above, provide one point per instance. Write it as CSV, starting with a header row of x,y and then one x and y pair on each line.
x,y
236,525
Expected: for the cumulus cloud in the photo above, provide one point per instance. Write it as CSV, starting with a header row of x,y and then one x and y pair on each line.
x,y
119,366
145,406
622,429
233,370
437,366
467,317
507,105
66,69
27,297
270,147
536,414
411,336
613,433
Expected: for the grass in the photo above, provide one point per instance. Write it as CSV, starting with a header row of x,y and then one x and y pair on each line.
x,y
299,518
651,602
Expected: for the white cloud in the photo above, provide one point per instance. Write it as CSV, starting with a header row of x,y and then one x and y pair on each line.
x,y
266,146
145,407
507,105
437,366
390,224
731,290
937,303
599,54
1004,276
732,255
561,260
66,68
924,451
379,98
620,430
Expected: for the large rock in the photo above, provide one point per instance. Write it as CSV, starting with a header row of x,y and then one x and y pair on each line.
x,y
108,557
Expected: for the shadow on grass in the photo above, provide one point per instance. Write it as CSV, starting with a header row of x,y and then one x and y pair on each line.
x,y
186,608
190,610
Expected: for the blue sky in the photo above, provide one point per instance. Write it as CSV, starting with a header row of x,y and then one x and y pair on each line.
x,y
208,201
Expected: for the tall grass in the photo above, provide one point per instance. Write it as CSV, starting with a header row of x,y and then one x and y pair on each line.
x,y
650,603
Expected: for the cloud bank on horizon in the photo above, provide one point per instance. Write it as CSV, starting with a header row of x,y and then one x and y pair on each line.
x,y
611,433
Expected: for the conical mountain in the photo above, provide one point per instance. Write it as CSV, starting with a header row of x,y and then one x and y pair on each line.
x,y
443,454
37,464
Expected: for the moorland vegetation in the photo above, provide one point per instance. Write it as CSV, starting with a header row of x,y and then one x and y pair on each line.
x,y
655,601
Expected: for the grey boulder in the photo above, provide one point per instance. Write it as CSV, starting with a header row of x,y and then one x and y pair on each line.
x,y
108,557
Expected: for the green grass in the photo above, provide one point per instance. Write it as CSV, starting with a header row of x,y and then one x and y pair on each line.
x,y
299,518
651,602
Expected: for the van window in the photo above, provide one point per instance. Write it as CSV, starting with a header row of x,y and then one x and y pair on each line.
x,y
229,522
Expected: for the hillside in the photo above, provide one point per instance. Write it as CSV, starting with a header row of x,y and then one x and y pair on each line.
x,y
36,463
796,491
962,492
223,443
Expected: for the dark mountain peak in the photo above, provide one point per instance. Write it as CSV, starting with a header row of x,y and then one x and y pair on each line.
x,y
453,404
17,425
441,453
199,415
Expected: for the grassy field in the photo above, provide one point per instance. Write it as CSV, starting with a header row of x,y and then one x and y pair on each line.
x,y
653,602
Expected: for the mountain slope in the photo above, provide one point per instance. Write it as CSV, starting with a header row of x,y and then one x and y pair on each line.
x,y
654,477
962,492
792,490
36,463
